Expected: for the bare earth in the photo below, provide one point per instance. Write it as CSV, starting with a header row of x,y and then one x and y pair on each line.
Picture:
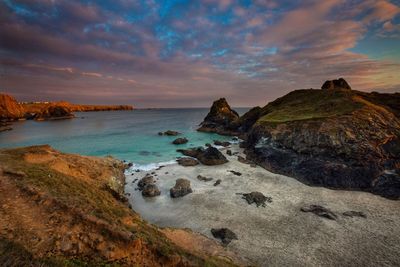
x,y
278,234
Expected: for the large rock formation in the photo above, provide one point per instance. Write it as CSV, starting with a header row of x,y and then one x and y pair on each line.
x,y
219,119
54,112
10,109
336,85
341,139
209,156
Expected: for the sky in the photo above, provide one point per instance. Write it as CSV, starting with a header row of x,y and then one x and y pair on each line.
x,y
177,53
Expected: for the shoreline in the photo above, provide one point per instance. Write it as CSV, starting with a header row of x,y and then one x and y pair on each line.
x,y
279,234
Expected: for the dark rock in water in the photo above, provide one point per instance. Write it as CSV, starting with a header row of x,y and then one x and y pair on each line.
x,y
219,118
224,234
208,145
169,133
180,141
256,197
336,84
235,172
181,188
235,138
320,211
229,152
150,190
220,143
187,162
204,179
217,182
209,156
212,156
352,213
147,180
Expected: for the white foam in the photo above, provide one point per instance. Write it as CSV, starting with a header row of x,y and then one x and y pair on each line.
x,y
148,167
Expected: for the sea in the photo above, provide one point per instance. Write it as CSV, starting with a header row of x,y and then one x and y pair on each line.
x,y
127,135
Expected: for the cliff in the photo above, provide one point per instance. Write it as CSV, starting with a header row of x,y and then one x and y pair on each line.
x,y
69,210
336,137
10,109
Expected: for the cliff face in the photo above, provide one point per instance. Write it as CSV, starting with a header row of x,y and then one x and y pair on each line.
x,y
10,109
335,138
69,210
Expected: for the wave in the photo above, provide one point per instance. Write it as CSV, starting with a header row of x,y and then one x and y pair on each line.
x,y
148,167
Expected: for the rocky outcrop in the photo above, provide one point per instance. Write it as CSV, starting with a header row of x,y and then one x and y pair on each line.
x,y
187,161
219,119
256,197
169,133
180,141
209,156
336,85
343,139
10,109
54,112
151,190
320,211
181,188
225,234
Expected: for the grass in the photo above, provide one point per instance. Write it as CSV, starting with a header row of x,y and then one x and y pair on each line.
x,y
309,104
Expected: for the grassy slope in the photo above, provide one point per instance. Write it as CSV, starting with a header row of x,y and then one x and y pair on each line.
x,y
84,196
309,104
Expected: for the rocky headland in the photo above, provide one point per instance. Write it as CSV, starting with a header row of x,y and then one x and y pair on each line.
x,y
11,110
333,137
68,210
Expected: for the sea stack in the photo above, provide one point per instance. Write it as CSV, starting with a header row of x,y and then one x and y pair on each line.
x,y
219,119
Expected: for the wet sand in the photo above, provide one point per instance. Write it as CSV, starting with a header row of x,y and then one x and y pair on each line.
x,y
278,234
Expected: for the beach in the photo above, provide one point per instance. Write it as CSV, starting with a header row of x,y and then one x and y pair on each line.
x,y
279,234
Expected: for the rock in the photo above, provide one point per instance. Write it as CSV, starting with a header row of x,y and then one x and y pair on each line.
x,y
10,109
320,211
54,112
352,213
243,160
181,188
336,84
150,190
169,133
219,143
187,161
208,145
224,234
229,152
235,172
147,180
180,141
256,197
212,156
204,179
219,118
217,182
209,156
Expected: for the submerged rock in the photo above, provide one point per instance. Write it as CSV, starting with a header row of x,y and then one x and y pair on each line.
x,y
352,213
187,161
224,234
169,133
181,188
320,211
180,141
256,197
203,178
151,190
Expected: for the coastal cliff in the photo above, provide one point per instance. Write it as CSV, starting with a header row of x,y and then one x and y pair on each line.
x,y
335,137
68,210
11,110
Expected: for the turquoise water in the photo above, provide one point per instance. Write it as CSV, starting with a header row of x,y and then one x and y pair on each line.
x,y
127,135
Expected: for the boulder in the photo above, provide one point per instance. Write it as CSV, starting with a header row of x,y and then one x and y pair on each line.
x,y
180,141
256,197
224,234
320,211
336,84
187,161
219,118
220,143
217,182
229,152
147,180
235,173
150,190
212,156
181,188
169,133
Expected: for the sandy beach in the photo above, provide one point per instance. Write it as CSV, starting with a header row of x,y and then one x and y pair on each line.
x,y
279,234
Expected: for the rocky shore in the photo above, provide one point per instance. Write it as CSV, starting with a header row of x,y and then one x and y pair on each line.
x,y
68,210
333,137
